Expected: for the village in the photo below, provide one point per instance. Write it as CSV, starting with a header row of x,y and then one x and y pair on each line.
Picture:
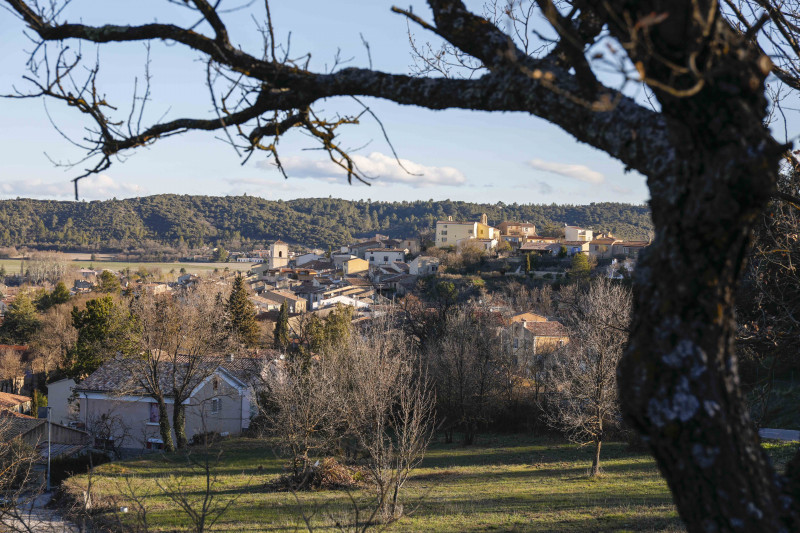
x,y
120,407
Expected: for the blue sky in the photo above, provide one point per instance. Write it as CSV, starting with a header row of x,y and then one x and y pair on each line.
x,y
461,155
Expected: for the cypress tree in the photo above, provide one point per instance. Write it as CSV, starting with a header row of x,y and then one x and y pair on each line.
x,y
242,314
282,328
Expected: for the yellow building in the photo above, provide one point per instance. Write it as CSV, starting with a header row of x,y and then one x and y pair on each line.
x,y
451,233
354,266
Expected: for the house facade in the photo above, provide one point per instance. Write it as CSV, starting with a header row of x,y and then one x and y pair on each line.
x,y
111,404
354,266
384,256
603,247
517,229
423,265
575,233
295,303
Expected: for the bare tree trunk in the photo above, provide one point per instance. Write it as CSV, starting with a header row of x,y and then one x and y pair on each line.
x,y
179,424
598,442
164,427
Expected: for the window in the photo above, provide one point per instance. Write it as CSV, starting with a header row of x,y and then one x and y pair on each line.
x,y
154,415
444,239
216,384
280,254
372,258
215,405
385,258
516,343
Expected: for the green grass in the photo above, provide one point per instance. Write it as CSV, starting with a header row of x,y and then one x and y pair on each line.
x,y
12,266
502,484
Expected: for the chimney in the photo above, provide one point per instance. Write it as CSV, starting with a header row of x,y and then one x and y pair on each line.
x,y
229,357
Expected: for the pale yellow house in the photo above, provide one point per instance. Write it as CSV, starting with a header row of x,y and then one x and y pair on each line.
x,y
517,229
529,340
602,247
295,303
354,266
452,233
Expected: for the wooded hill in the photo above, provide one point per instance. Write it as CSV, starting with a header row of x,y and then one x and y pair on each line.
x,y
194,221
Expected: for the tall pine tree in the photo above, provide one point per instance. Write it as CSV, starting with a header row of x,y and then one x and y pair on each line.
x,y
241,314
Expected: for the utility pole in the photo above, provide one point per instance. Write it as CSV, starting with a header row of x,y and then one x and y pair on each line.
x,y
48,448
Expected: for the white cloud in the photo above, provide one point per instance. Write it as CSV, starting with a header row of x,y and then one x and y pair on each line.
x,y
578,172
95,187
376,165
261,186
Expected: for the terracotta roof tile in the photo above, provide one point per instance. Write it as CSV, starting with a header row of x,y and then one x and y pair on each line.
x,y
551,328
8,400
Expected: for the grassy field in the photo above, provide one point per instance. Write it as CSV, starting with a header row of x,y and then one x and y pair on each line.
x,y
502,484
12,266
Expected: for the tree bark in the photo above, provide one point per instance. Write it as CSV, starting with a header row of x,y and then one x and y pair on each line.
x,y
598,442
679,382
164,427
179,424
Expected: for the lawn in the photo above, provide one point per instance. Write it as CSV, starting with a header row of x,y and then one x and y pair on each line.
x,y
510,483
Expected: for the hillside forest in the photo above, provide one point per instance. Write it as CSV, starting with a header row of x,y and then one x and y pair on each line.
x,y
188,222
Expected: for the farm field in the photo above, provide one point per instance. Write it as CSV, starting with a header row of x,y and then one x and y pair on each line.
x,y
12,266
504,483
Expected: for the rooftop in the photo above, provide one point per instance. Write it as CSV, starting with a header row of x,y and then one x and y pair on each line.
x,y
8,400
550,328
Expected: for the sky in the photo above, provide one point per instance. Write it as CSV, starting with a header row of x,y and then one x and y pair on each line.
x,y
455,154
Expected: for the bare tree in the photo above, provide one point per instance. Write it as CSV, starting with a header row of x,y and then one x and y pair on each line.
x,y
11,369
47,266
769,299
21,482
109,431
583,376
299,405
180,340
205,507
710,162
387,406
464,363
52,342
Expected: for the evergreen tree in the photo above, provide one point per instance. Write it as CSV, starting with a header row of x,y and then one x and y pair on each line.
x,y
241,314
38,401
20,322
109,283
103,328
60,294
220,255
282,328
581,269
527,263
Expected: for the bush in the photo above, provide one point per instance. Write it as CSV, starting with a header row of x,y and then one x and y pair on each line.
x,y
64,467
327,474
206,438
